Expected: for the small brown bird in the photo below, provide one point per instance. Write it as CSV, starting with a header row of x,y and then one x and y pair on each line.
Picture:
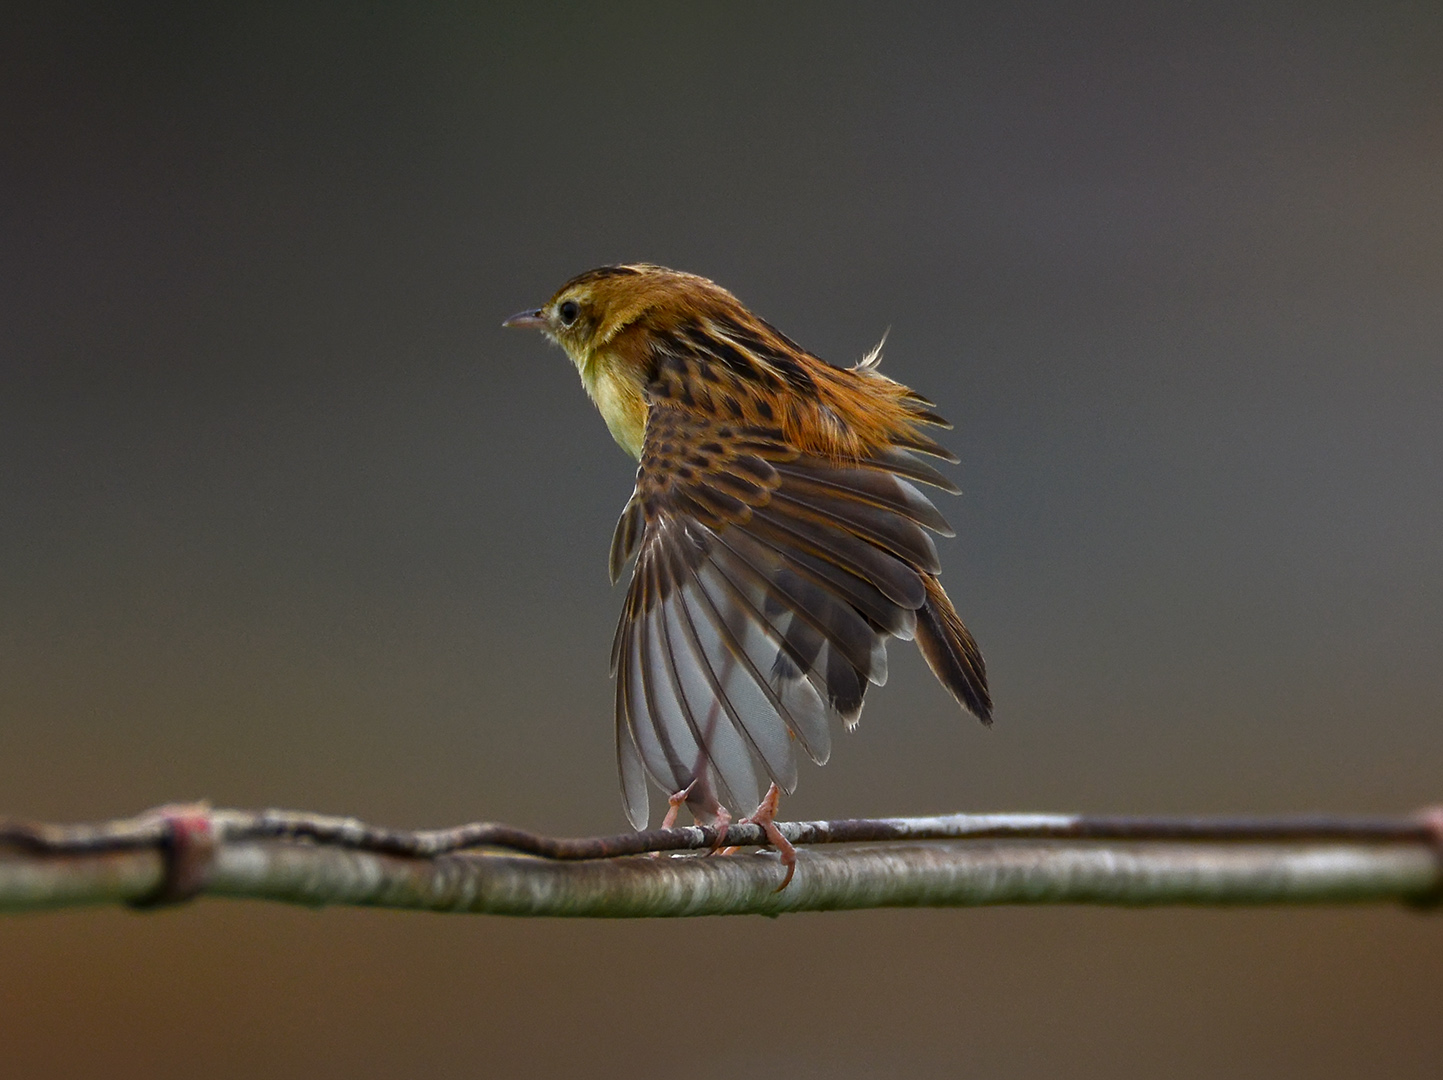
x,y
779,537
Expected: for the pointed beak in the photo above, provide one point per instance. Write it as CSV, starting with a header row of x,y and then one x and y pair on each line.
x,y
533,320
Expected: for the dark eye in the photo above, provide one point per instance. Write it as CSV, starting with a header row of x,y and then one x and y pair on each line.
x,y
568,311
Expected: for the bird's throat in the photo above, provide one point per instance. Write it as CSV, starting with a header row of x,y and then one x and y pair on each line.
x,y
619,398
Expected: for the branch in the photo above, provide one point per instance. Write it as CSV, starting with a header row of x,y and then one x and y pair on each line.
x,y
179,852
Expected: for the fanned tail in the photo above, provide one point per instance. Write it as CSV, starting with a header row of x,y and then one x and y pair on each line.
x,y
951,653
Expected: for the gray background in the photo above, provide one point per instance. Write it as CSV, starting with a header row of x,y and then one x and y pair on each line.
x,y
289,520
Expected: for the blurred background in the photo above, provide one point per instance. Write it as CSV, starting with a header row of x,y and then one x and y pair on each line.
x,y
289,520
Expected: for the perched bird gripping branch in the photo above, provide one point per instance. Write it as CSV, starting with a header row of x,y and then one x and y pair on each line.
x,y
779,537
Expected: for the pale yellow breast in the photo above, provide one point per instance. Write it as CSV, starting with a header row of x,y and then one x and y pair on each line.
x,y
620,402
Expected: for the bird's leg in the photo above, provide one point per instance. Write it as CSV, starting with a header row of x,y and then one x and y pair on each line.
x,y
674,803
765,815
723,819
705,810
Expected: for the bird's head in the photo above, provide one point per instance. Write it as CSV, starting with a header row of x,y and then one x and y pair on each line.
x,y
592,309
610,320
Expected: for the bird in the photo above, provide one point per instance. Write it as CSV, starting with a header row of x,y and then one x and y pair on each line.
x,y
779,536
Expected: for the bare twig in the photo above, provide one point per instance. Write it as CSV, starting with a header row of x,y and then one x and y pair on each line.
x,y
181,851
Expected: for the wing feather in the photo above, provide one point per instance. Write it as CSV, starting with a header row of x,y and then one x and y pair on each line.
x,y
835,621
905,463
870,486
797,700
705,710
630,765
897,581
732,685
866,598
766,585
881,528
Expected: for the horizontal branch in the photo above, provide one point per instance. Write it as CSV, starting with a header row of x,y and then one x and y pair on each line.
x,y
179,852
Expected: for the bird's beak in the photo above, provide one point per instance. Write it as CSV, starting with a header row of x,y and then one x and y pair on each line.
x,y
533,320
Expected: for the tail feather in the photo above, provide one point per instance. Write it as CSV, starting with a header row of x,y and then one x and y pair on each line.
x,y
951,653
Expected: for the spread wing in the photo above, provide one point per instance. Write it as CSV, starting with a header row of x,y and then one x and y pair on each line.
x,y
765,587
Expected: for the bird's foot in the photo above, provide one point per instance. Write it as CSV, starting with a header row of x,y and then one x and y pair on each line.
x,y
674,803
765,815
723,819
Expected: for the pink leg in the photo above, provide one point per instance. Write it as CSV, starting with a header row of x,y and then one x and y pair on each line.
x,y
765,815
674,803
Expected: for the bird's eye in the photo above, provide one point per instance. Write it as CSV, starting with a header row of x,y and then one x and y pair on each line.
x,y
568,312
